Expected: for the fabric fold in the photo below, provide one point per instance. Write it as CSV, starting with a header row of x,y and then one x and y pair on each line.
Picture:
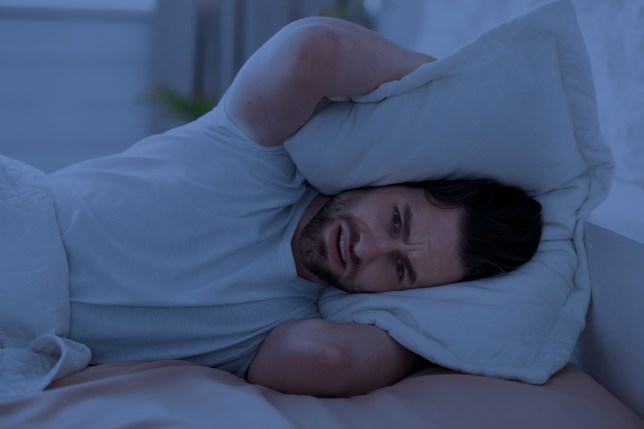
x,y
34,309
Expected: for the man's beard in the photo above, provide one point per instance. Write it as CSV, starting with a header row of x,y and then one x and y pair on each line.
x,y
312,246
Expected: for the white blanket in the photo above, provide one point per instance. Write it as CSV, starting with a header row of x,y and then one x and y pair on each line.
x,y
34,309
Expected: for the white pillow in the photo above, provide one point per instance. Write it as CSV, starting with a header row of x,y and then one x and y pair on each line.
x,y
518,105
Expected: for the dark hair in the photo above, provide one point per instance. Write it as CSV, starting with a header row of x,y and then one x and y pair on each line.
x,y
501,226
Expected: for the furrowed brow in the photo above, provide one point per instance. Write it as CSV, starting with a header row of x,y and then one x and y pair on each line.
x,y
406,232
411,273
406,222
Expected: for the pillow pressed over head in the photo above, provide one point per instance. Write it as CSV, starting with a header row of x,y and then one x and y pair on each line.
x,y
517,104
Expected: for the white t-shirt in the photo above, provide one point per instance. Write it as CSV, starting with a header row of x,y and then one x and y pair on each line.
x,y
179,247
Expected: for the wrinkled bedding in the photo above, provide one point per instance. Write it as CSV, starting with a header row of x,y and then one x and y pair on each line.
x,y
174,394
34,309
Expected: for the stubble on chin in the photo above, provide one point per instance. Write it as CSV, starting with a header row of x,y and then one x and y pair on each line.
x,y
314,253
312,246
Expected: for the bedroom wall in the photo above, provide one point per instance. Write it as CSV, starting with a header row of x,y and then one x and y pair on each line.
x,y
79,78
73,80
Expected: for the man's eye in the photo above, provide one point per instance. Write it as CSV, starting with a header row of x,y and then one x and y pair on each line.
x,y
400,269
396,220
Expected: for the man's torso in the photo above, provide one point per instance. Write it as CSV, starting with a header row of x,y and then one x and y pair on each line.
x,y
180,246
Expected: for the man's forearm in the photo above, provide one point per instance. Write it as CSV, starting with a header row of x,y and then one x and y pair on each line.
x,y
320,358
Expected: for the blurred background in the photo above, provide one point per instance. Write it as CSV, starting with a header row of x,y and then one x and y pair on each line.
x,y
85,78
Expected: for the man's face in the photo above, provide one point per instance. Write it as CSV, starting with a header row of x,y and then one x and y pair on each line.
x,y
380,239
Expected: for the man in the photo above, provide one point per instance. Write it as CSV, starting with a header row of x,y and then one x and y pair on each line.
x,y
206,244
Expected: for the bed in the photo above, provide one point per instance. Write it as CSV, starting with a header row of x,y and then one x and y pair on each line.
x,y
178,394
502,346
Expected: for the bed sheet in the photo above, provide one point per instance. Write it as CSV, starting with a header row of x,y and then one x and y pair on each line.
x,y
178,394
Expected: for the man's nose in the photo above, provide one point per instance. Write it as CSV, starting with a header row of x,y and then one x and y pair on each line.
x,y
370,247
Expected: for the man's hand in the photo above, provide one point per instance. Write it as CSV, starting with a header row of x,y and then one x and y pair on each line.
x,y
279,87
316,357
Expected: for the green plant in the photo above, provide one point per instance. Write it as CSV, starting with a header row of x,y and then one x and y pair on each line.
x,y
185,107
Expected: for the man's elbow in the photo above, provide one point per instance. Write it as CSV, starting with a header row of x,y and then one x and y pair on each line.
x,y
327,371
304,362
316,48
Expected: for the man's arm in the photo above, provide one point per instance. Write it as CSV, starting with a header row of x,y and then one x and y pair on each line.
x,y
273,95
278,88
316,357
